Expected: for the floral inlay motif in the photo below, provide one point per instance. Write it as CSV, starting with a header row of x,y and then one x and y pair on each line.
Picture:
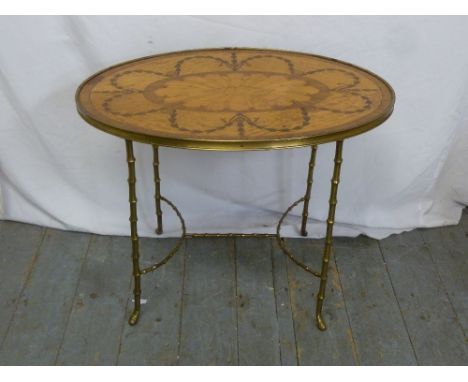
x,y
236,92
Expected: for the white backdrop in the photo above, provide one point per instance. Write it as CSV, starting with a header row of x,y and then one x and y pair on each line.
x,y
60,172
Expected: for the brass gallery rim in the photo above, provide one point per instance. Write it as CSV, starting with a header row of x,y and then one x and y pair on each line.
x,y
235,99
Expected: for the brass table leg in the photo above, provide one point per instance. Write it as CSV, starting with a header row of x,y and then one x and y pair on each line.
x,y
157,183
305,211
134,233
329,236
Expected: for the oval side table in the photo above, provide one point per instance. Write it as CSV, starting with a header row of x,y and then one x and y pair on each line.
x,y
234,99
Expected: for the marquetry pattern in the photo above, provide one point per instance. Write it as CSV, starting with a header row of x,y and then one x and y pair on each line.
x,y
235,94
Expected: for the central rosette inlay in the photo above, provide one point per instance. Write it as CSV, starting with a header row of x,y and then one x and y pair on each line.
x,y
236,92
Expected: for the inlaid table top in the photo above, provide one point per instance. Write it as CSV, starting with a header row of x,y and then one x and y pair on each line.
x,y
235,99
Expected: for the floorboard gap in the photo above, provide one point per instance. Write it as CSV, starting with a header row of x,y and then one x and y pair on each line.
x,y
398,304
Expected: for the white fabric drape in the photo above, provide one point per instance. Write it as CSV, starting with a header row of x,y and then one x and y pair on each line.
x,y
60,172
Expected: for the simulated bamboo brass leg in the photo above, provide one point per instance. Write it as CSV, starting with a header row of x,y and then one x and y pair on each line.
x,y
134,233
157,183
329,236
305,211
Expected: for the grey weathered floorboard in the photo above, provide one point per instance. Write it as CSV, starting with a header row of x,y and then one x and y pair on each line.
x,y
287,336
209,327
432,324
335,346
155,339
378,327
448,247
40,319
19,244
99,305
63,300
258,332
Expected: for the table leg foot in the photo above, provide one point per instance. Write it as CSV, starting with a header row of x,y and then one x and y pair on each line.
x,y
320,323
134,317
159,231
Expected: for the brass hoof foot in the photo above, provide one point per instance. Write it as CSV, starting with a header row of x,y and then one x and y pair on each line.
x,y
159,231
134,317
320,323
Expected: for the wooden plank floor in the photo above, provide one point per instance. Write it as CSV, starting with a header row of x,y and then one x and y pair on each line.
x,y
65,298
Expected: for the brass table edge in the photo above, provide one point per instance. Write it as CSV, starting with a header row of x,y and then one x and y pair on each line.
x,y
234,145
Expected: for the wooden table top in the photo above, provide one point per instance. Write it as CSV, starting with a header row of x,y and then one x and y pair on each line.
x,y
235,99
